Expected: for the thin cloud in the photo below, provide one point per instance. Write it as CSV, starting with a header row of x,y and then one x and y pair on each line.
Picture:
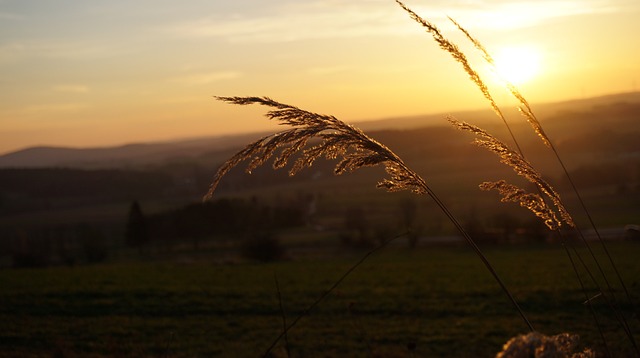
x,y
71,88
16,51
10,16
511,15
57,108
295,22
206,77
330,70
334,19
11,52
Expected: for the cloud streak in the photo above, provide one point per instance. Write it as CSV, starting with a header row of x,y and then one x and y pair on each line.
x,y
10,16
48,109
296,22
520,14
57,49
71,88
335,19
206,77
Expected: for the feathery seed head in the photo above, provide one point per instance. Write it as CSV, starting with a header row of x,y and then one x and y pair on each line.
x,y
524,169
337,140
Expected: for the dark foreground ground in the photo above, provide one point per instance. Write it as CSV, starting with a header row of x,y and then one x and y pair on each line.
x,y
437,301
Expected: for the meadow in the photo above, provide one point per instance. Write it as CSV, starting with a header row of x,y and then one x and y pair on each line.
x,y
170,300
430,301
355,150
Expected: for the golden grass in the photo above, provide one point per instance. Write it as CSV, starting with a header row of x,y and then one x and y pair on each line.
x,y
338,140
354,150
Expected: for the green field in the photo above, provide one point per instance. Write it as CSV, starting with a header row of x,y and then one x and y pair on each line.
x,y
440,299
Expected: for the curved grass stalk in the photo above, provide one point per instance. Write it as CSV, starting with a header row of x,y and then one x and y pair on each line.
x,y
338,140
525,109
461,58
511,193
523,168
537,204
326,293
356,150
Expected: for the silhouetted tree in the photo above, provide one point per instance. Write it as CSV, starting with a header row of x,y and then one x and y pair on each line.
x,y
137,234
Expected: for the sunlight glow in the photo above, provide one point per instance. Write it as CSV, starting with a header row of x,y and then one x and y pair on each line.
x,y
517,64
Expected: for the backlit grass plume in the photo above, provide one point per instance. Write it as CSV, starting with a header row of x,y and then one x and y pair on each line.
x,y
522,167
462,59
337,140
527,112
534,202
507,156
311,136
535,344
524,106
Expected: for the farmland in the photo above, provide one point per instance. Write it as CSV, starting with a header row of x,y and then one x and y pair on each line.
x,y
439,300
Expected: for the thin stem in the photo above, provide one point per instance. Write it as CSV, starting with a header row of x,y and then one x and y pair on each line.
x,y
483,258
595,228
461,58
616,311
474,246
587,299
366,152
284,316
526,111
324,295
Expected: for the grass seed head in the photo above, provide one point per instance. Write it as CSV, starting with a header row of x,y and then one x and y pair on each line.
x,y
338,140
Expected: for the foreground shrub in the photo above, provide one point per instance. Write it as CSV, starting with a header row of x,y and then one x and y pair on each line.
x,y
538,345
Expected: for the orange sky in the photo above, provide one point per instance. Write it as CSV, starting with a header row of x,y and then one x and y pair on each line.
x,y
105,72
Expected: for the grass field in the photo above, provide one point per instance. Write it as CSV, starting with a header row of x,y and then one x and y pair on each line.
x,y
439,299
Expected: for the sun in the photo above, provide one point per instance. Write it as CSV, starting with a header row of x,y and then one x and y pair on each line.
x,y
517,64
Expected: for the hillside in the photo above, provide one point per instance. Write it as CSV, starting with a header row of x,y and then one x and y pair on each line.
x,y
53,199
563,121
602,140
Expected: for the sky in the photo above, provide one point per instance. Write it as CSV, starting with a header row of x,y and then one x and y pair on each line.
x,y
91,73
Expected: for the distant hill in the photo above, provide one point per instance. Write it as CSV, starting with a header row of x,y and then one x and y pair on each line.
x,y
126,156
564,121
544,111
598,142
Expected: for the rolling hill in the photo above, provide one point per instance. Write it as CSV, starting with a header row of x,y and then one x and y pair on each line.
x,y
568,121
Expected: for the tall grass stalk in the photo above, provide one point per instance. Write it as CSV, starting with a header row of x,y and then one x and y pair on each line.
x,y
525,109
461,58
337,140
326,293
354,149
512,193
588,300
284,316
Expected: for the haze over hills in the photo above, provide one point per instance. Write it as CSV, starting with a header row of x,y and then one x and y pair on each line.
x,y
42,189
125,156
564,121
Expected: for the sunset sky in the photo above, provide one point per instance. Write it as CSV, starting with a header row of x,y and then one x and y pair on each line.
x,y
108,72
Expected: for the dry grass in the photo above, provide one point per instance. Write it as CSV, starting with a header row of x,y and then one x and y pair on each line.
x,y
522,167
354,150
338,140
